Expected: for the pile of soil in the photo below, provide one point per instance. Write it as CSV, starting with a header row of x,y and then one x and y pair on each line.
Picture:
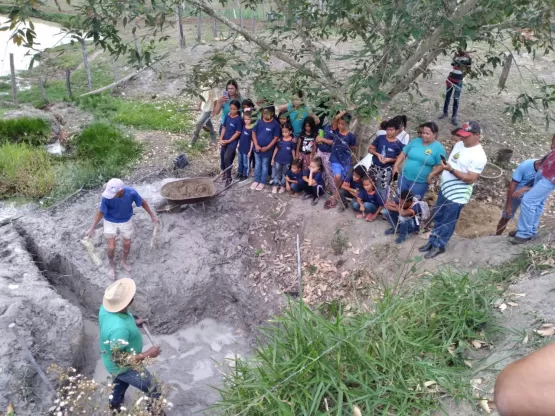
x,y
478,220
188,189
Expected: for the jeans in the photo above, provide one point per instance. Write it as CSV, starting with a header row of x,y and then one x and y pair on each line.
x,y
532,205
262,164
243,165
405,227
278,174
227,155
143,382
369,207
297,187
204,118
417,189
456,98
446,215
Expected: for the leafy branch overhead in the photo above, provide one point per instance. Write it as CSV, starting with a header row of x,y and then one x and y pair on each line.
x,y
358,53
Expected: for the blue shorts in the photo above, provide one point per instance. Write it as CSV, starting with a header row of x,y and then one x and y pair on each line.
x,y
515,203
339,169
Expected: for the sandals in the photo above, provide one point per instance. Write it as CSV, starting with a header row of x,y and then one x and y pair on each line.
x,y
360,215
330,203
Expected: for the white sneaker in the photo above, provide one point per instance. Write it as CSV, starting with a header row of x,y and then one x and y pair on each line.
x,y
281,190
274,189
254,185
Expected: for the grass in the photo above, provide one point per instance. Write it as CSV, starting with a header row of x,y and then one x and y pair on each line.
x,y
146,116
25,171
32,131
55,17
400,358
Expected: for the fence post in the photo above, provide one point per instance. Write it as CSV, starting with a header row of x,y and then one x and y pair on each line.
x,y
42,90
180,25
506,68
115,69
253,23
199,27
14,82
240,15
215,29
86,62
68,83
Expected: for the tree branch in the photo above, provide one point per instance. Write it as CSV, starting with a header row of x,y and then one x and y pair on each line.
x,y
331,86
428,45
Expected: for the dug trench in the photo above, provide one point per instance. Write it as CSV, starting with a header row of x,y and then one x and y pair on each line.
x,y
191,286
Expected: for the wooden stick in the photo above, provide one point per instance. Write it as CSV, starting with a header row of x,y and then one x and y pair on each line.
x,y
92,253
299,271
154,234
14,81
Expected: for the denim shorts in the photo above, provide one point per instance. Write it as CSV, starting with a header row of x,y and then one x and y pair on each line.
x,y
339,169
515,203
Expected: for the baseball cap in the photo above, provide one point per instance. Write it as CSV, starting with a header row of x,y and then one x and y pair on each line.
x,y
468,128
113,186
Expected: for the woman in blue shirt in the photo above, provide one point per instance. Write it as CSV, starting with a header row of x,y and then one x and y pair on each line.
x,y
298,111
421,156
222,105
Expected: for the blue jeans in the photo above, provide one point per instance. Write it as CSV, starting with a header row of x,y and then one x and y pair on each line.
x,y
417,189
243,164
297,187
515,205
261,166
144,383
532,205
369,207
446,215
403,228
456,98
278,174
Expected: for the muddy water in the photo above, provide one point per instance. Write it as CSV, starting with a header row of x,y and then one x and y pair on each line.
x,y
191,362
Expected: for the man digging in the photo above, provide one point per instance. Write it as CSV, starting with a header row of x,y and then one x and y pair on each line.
x,y
121,342
117,210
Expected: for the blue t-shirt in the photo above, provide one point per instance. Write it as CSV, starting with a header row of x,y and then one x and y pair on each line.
x,y
387,149
120,210
421,159
232,125
296,117
328,134
225,108
284,155
265,133
245,140
525,173
352,183
296,176
317,176
341,149
373,197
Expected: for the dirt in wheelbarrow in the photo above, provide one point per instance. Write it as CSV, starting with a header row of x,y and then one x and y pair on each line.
x,y
186,190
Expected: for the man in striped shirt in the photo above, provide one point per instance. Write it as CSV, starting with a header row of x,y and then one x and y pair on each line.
x,y
454,83
458,175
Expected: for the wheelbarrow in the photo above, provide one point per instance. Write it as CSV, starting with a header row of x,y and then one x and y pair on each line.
x,y
189,191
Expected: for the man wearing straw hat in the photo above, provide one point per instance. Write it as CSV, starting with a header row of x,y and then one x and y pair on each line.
x,y
119,334
116,209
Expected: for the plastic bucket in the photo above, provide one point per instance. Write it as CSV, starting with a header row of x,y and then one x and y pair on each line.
x,y
504,155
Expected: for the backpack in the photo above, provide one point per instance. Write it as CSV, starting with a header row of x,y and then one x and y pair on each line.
x,y
425,208
180,161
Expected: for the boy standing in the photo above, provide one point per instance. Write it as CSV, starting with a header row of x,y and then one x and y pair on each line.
x,y
454,82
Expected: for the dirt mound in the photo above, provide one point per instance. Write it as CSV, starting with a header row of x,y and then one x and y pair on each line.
x,y
186,189
478,220
50,326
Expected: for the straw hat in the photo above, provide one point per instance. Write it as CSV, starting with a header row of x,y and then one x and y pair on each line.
x,y
119,294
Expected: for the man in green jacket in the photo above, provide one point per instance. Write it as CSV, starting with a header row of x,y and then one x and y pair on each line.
x,y
120,335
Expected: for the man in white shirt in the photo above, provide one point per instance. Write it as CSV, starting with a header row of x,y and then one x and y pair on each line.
x,y
210,96
458,175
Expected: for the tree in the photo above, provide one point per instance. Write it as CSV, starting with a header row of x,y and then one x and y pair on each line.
x,y
350,54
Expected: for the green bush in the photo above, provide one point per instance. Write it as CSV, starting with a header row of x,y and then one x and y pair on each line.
x,y
25,171
32,131
106,146
379,361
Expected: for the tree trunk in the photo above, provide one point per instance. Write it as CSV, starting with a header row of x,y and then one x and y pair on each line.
x,y
199,28
42,89
135,40
86,62
180,26
506,70
240,16
68,83
215,29
58,5
14,81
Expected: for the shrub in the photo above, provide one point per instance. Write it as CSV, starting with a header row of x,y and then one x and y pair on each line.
x,y
33,131
106,146
25,171
398,359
